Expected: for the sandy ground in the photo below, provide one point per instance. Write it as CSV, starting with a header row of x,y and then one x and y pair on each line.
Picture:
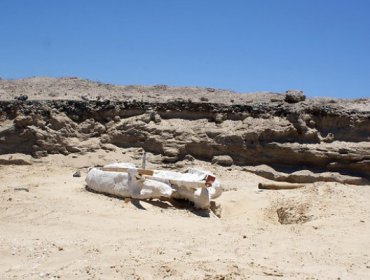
x,y
52,227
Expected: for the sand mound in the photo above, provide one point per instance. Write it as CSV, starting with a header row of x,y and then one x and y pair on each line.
x,y
295,214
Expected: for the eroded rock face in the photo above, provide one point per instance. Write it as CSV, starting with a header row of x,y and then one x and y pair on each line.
x,y
306,135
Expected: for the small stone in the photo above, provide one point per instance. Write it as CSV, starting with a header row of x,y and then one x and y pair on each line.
x,y
170,159
22,97
43,274
329,138
216,208
311,124
171,151
77,173
22,189
155,117
146,118
219,118
189,158
179,165
39,154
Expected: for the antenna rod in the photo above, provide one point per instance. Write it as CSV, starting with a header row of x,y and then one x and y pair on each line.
x,y
143,163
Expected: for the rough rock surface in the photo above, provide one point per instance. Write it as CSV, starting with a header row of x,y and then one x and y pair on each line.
x,y
222,160
304,176
294,96
316,135
15,159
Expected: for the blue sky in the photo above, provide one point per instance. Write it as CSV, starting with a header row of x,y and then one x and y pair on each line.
x,y
319,46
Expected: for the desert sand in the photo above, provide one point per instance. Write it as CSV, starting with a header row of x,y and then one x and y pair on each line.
x,y
51,227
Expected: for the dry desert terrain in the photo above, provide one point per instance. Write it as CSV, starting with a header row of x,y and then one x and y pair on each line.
x,y
53,227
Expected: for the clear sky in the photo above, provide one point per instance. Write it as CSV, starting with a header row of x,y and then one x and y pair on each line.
x,y
319,46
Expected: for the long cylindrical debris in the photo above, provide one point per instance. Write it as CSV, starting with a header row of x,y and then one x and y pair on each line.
x,y
279,186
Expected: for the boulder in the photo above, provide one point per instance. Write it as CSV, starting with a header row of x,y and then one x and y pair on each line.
x,y
223,160
294,96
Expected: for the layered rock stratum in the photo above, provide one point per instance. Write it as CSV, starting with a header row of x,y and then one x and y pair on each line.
x,y
41,116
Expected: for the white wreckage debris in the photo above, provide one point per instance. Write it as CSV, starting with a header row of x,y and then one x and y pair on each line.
x,y
125,180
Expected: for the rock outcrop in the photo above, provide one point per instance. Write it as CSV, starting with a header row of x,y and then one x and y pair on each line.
x,y
304,176
312,135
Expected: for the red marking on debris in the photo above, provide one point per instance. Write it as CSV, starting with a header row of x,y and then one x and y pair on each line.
x,y
210,179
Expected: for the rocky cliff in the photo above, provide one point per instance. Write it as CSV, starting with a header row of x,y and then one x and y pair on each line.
x,y
318,136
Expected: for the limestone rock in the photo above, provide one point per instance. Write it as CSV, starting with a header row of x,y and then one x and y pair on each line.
x,y
23,121
59,121
15,159
304,176
108,147
224,160
219,118
171,151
